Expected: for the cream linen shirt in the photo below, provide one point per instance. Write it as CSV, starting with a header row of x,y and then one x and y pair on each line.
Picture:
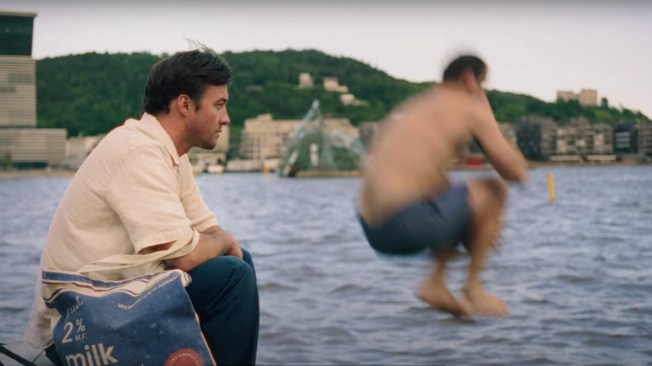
x,y
132,192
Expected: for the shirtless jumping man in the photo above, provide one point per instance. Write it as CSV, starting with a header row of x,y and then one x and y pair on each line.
x,y
407,203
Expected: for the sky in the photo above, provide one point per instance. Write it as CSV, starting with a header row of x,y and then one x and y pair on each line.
x,y
532,47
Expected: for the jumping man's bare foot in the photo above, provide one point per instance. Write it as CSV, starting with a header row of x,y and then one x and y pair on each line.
x,y
482,303
439,297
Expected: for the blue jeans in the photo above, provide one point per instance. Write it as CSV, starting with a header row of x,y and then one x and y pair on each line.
x,y
224,294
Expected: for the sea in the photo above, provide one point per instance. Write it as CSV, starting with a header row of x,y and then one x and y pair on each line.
x,y
576,271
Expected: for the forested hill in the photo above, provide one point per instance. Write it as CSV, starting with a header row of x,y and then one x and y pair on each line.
x,y
91,93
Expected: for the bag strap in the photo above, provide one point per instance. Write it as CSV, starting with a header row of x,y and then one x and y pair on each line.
x,y
14,356
120,261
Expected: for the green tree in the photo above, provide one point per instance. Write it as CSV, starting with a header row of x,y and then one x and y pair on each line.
x,y
92,93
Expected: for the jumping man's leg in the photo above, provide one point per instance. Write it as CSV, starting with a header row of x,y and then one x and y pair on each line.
x,y
487,200
433,290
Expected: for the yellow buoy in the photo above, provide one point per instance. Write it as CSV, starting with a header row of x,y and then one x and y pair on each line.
x,y
551,187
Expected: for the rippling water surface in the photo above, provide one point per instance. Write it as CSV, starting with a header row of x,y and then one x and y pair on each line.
x,y
577,273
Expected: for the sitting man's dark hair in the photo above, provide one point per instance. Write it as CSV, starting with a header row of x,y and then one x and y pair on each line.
x,y
189,73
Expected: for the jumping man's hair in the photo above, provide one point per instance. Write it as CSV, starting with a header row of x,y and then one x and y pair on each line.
x,y
453,71
189,73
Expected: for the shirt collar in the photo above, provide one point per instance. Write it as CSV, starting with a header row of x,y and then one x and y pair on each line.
x,y
153,126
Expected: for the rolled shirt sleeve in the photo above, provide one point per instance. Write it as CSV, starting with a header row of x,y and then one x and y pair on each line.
x,y
144,192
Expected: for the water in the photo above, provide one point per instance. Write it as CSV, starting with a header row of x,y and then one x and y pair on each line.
x,y
575,273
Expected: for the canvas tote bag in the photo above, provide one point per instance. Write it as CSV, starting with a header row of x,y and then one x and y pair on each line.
x,y
147,320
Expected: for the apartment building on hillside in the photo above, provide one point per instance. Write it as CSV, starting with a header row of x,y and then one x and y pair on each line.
x,y
265,138
586,97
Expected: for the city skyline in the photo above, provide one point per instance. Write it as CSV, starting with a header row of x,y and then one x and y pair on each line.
x,y
531,48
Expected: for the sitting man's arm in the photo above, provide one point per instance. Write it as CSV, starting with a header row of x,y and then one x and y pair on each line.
x,y
213,242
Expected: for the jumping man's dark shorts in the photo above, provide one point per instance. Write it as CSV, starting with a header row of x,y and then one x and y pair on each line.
x,y
437,224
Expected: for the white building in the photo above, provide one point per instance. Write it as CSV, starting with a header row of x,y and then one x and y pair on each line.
x,y
305,81
332,84
586,97
264,138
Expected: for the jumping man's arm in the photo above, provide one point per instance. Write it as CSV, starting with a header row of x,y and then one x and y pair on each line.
x,y
505,157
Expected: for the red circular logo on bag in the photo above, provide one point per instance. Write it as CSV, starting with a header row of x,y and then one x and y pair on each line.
x,y
184,357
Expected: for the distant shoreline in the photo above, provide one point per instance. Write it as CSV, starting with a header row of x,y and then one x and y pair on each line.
x,y
34,173
47,173
561,164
